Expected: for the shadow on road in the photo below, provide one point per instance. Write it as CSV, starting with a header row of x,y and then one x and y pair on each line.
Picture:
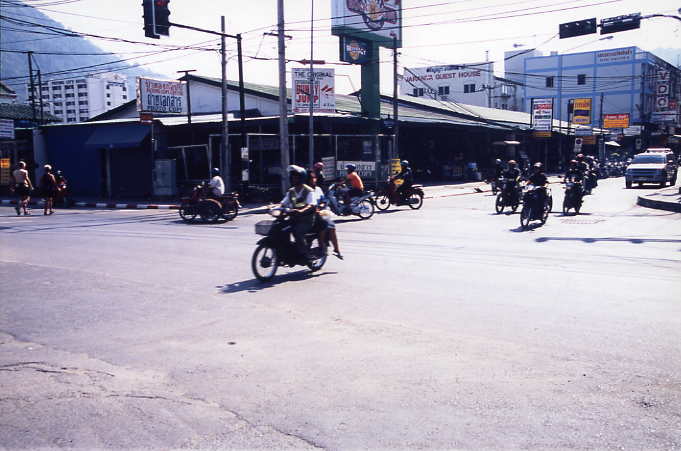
x,y
254,285
544,239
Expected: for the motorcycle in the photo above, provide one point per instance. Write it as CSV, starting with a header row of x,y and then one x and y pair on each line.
x,y
590,182
495,184
389,195
277,249
209,208
362,206
573,199
530,211
509,196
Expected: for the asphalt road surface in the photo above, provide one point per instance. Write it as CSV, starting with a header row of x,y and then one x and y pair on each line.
x,y
447,327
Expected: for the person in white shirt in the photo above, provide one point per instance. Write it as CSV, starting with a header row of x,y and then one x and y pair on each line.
x,y
324,215
216,184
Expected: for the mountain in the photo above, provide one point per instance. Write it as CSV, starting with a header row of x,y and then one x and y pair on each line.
x,y
16,64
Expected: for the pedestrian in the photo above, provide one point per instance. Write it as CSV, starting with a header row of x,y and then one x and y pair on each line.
x,y
22,187
62,185
49,188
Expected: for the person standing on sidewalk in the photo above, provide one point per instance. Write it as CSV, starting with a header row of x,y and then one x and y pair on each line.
x,y
22,187
49,187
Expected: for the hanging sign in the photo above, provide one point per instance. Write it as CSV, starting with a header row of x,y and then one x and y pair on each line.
x,y
324,96
542,114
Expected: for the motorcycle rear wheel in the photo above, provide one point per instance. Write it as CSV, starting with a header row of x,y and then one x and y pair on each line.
x,y
317,252
415,200
548,206
187,213
366,209
264,263
525,217
230,214
566,207
209,210
499,204
382,201
514,207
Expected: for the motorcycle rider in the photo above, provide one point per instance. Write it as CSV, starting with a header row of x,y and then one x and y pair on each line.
x,y
573,173
498,170
323,216
216,183
511,174
318,170
300,200
407,178
354,182
581,164
538,178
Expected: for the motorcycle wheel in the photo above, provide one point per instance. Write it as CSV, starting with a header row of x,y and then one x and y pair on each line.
x,y
525,217
230,214
318,255
566,207
187,213
578,207
514,207
499,204
415,201
209,210
382,201
547,209
366,209
264,263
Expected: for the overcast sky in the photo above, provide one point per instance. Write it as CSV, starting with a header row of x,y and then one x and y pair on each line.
x,y
435,31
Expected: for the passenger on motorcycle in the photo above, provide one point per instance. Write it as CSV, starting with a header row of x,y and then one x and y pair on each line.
x,y
582,166
498,169
323,218
318,170
511,174
300,200
407,178
217,185
354,182
538,178
573,173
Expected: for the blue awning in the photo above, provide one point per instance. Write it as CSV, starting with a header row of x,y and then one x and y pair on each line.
x,y
118,136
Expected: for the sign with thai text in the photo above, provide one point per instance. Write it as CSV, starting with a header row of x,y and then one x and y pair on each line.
x,y
160,96
616,120
615,55
542,114
323,91
5,171
581,111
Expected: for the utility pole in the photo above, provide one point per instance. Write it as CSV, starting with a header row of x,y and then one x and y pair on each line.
x,y
32,84
189,95
283,108
395,149
311,92
40,93
242,114
224,144
601,141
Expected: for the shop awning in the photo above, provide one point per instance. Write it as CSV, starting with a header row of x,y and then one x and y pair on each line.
x,y
117,136
612,143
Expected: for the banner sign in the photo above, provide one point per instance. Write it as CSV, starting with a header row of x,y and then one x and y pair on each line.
x,y
7,128
373,20
616,120
324,97
160,96
365,169
581,111
354,51
542,114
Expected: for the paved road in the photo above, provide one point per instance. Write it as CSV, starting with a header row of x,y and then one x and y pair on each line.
x,y
443,328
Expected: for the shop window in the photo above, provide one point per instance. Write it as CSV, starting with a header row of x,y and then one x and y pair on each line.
x,y
549,82
581,79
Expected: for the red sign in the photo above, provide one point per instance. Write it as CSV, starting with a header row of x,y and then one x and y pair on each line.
x,y
146,118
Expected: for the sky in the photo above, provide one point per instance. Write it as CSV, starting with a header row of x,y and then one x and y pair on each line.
x,y
435,32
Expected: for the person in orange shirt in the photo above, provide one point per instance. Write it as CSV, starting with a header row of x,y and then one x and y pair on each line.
x,y
354,182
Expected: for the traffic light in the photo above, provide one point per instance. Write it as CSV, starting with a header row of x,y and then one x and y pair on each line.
x,y
577,28
162,17
149,19
620,23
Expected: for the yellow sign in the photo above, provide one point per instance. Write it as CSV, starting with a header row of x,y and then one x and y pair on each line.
x,y
541,134
616,120
581,111
5,171
589,140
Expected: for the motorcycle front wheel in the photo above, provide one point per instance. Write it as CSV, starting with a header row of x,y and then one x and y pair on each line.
x,y
317,254
230,213
382,201
566,207
264,263
209,210
366,209
525,217
415,201
187,213
499,204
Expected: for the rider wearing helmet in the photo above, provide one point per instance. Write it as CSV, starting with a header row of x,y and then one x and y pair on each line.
x,y
216,183
300,200
407,178
538,178
511,174
573,173
581,164
498,169
354,182
318,170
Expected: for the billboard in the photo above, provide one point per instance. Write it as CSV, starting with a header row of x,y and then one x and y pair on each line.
x,y
160,96
355,51
581,111
457,82
542,114
323,92
373,20
616,120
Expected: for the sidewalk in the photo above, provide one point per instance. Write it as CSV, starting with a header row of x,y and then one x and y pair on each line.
x,y
668,199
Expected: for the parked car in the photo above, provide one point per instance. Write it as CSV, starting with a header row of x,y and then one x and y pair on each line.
x,y
655,165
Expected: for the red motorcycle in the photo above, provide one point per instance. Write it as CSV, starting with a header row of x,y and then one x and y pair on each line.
x,y
203,204
413,196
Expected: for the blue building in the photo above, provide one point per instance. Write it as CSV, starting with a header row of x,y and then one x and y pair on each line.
x,y
624,80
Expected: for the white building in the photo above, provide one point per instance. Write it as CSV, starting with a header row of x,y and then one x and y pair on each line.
x,y
78,99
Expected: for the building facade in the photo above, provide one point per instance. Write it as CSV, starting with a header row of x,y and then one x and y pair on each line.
x,y
621,81
79,99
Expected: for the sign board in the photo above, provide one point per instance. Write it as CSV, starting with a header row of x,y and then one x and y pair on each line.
x,y
664,117
662,90
324,96
581,111
615,55
373,20
5,171
633,130
542,114
589,140
583,131
160,96
7,128
616,120
460,82
541,134
365,169
329,171
578,145
146,118
355,51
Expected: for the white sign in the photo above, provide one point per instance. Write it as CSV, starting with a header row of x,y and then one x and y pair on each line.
x,y
160,96
374,20
611,56
324,96
542,114
634,130
665,117
461,83
7,128
583,131
366,169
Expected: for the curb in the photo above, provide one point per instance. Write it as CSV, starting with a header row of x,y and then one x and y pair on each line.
x,y
106,205
658,204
